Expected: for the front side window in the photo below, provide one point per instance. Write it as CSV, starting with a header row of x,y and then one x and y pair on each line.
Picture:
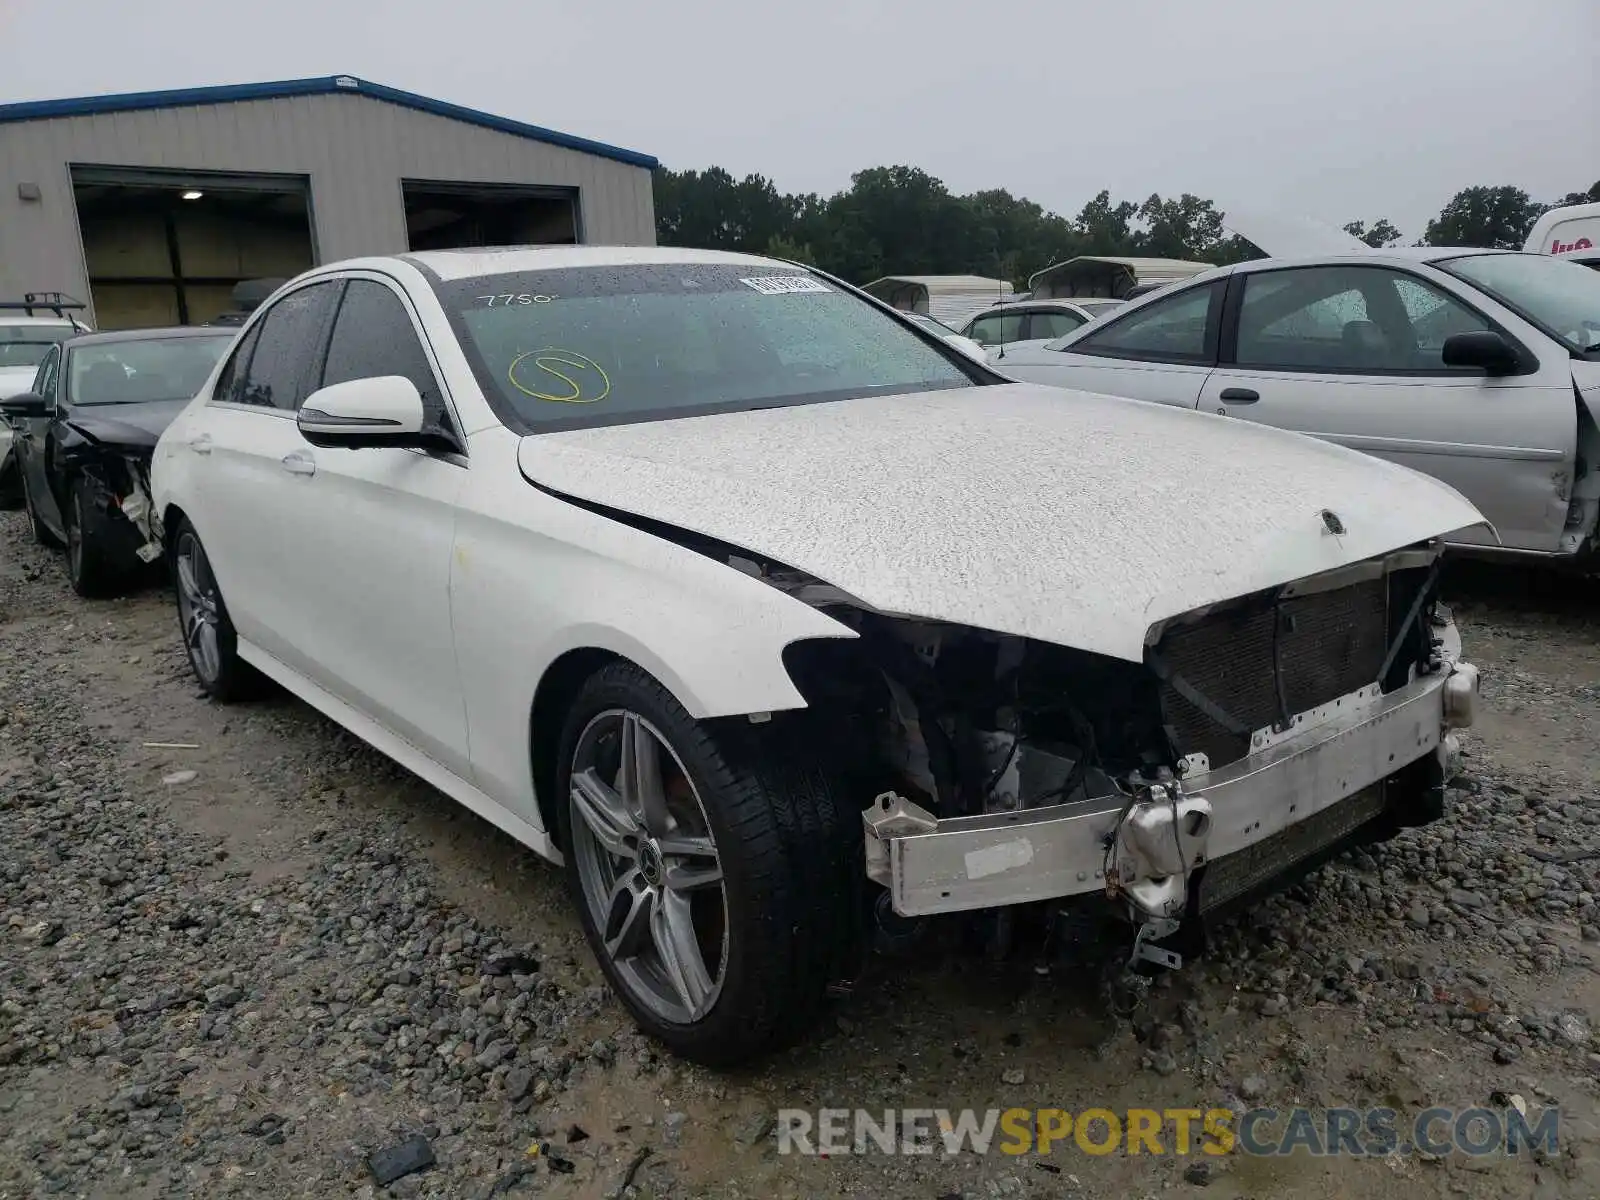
x,y
373,336
1176,328
1344,319
26,345
997,330
282,364
606,345
142,370
1562,298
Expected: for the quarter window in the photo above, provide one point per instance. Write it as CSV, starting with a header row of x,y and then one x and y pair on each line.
x,y
1347,319
1173,329
230,380
373,336
282,367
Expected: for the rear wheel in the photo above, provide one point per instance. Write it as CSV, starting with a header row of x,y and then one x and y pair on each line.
x,y
208,634
91,551
710,866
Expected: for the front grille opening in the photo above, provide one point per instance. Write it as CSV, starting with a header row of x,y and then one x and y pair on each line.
x,y
1267,656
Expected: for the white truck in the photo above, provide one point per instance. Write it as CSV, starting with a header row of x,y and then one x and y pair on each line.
x,y
1572,232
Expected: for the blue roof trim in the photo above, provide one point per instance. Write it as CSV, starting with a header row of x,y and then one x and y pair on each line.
x,y
326,85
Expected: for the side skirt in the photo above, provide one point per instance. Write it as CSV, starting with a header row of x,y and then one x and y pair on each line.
x,y
402,751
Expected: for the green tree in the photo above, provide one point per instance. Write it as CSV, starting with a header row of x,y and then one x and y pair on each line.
x,y
1382,233
1491,217
1106,228
1186,227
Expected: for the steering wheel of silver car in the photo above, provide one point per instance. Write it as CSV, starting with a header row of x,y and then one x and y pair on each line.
x,y
198,608
648,866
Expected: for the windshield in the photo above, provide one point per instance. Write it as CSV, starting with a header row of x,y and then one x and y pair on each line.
x,y
26,345
1562,298
142,371
605,345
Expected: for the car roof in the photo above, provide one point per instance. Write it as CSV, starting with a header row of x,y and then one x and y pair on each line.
x,y
1052,302
504,260
1393,255
54,322
150,335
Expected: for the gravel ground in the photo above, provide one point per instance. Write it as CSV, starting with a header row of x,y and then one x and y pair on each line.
x,y
239,953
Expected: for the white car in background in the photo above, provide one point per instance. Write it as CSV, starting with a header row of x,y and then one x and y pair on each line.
x,y
1034,320
937,327
772,615
1479,367
24,341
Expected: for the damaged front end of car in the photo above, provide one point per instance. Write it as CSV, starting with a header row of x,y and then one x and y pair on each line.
x,y
118,485
1045,790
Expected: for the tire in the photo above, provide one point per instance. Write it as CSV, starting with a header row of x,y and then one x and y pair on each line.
x,y
91,554
208,635
35,526
786,853
11,487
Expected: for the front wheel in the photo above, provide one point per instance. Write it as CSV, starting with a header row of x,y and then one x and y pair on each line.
x,y
91,555
711,866
208,634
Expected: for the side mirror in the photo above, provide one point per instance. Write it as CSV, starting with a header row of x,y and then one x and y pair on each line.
x,y
1482,348
363,413
25,404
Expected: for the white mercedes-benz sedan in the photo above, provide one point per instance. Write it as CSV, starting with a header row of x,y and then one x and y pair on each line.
x,y
783,624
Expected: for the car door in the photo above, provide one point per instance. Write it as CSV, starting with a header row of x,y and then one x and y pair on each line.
x,y
367,540
30,444
1161,351
1353,354
242,458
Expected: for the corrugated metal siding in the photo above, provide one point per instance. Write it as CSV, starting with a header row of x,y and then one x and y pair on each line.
x,y
354,149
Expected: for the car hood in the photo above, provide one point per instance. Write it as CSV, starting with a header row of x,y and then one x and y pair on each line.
x,y
1073,518
136,426
1279,235
16,380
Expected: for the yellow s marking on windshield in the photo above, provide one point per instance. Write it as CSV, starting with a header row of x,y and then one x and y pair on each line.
x,y
595,385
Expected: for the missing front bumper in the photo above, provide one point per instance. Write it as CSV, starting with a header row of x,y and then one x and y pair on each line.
x,y
1332,757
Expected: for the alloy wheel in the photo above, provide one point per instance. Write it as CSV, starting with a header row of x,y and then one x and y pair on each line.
x,y
199,608
648,866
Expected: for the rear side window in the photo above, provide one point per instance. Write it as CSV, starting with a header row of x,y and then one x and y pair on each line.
x,y
997,330
230,380
1052,324
1179,328
373,336
283,365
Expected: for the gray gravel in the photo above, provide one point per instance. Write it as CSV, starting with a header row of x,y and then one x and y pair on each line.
x,y
243,960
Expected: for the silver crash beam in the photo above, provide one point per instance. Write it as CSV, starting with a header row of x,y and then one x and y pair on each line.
x,y
1142,846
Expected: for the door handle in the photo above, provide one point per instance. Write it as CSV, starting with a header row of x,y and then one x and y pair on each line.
x,y
299,463
200,443
1239,395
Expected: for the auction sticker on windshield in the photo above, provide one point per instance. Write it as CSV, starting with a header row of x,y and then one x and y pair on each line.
x,y
779,285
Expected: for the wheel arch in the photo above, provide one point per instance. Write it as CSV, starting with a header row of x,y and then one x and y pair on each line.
x,y
557,688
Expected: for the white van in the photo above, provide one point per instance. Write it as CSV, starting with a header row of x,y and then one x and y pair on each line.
x,y
1572,232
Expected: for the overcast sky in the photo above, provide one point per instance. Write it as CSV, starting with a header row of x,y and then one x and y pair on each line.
x,y
1337,110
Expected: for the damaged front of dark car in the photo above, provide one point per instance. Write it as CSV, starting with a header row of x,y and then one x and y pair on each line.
x,y
83,438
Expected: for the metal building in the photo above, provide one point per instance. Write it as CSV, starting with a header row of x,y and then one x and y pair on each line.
x,y
153,205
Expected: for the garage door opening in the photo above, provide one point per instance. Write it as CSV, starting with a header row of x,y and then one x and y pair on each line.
x,y
445,216
167,248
